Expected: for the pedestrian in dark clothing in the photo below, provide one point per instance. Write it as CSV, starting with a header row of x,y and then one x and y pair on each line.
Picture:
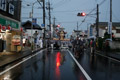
x,y
78,47
56,45
48,43
73,45
92,45
107,47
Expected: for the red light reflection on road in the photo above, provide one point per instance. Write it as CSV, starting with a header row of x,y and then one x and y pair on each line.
x,y
58,59
57,70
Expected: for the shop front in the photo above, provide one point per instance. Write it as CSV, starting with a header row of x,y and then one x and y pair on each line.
x,y
9,28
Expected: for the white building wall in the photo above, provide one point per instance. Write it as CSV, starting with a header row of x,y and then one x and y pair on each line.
x,y
29,32
101,32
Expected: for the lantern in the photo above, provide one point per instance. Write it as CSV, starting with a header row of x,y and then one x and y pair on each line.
x,y
0,27
3,28
21,29
9,28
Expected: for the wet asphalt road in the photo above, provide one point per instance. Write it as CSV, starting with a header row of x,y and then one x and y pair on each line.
x,y
59,65
53,65
100,67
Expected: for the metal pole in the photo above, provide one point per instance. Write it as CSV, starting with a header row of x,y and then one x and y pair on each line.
x,y
77,26
111,19
32,28
49,17
44,18
97,21
44,22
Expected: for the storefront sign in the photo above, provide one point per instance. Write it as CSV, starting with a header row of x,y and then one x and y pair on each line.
x,y
3,4
6,22
11,8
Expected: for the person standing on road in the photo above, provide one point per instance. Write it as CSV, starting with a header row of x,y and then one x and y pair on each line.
x,y
77,47
92,46
35,36
40,42
24,41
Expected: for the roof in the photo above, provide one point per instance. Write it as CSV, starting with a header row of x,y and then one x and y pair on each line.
x,y
27,25
115,24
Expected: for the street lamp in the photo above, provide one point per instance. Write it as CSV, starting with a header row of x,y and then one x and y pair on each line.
x,y
31,16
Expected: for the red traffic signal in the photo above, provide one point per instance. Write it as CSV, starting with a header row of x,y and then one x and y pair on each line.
x,y
81,14
58,25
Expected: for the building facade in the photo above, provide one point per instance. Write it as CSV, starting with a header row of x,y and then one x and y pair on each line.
x,y
10,13
103,27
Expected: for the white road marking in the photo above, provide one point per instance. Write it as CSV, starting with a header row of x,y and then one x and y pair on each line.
x,y
83,71
25,59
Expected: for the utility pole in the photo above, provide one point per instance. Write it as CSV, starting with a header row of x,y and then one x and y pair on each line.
x,y
77,26
111,19
44,18
97,21
54,22
54,27
49,9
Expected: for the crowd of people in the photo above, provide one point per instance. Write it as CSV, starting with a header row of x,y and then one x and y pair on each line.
x,y
79,44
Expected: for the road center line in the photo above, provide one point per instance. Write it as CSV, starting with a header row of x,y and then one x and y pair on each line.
x,y
83,71
25,59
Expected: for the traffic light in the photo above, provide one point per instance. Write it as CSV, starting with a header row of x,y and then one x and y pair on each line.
x,y
81,14
58,25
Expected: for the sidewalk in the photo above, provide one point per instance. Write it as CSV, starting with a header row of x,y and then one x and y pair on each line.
x,y
14,56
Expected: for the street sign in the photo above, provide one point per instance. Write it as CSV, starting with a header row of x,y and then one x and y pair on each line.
x,y
109,27
43,25
34,20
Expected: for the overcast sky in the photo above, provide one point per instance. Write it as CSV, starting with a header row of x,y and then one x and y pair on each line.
x,y
65,12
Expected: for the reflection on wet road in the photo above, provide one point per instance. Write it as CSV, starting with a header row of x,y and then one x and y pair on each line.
x,y
99,67
60,65
47,65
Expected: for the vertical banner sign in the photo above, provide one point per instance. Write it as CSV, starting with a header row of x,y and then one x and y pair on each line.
x,y
3,5
11,9
109,27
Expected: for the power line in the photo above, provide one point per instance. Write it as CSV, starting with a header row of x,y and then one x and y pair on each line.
x,y
115,17
91,12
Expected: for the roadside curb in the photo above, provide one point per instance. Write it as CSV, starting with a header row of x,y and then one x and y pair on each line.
x,y
19,58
